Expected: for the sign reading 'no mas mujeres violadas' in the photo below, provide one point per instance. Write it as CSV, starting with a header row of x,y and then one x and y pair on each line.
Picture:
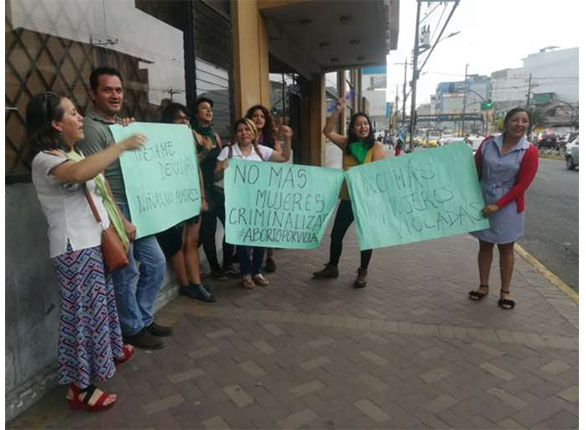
x,y
161,179
279,205
420,196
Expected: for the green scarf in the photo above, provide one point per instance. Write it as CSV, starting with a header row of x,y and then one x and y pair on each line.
x,y
107,200
207,132
359,150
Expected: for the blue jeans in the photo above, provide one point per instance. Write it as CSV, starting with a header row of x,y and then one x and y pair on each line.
x,y
248,265
136,288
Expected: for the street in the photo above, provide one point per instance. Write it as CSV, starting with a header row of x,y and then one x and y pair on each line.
x,y
551,230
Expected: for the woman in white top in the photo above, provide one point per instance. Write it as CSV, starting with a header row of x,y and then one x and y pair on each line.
x,y
90,340
246,148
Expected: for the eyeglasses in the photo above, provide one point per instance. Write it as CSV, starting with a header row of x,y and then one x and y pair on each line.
x,y
47,105
181,118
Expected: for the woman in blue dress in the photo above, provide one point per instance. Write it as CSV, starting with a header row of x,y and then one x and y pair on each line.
x,y
506,167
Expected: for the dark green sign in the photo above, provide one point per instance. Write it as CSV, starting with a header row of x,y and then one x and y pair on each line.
x,y
486,106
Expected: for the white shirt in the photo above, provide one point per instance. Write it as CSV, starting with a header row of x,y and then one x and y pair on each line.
x,y
265,151
66,208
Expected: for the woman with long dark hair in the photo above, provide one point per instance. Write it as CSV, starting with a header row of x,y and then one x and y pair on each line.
x,y
90,339
209,146
506,167
359,147
268,135
180,243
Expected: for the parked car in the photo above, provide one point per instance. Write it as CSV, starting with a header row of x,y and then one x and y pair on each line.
x,y
567,138
548,141
453,140
572,154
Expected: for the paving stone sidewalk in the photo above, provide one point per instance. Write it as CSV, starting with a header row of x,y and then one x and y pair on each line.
x,y
409,351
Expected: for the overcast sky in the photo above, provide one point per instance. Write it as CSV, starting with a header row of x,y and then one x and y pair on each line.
x,y
494,35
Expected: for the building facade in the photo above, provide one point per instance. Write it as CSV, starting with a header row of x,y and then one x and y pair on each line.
x,y
509,88
374,89
239,53
554,71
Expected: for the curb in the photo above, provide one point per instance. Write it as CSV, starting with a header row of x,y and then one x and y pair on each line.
x,y
551,277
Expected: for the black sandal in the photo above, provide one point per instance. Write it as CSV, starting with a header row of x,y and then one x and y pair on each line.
x,y
506,304
477,295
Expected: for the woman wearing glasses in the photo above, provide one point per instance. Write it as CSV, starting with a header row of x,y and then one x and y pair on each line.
x,y
90,340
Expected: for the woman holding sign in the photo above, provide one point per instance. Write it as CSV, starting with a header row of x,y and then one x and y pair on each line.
x,y
246,148
180,242
506,167
359,147
268,135
90,339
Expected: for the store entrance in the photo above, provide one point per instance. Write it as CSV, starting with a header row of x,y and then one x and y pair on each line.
x,y
286,96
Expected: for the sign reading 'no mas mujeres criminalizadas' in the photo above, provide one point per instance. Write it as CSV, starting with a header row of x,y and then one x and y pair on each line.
x,y
279,205
425,195
161,179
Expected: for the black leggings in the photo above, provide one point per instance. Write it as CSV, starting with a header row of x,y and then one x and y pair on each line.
x,y
207,235
344,217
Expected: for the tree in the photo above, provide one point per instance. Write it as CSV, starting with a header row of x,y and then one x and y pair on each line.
x,y
538,117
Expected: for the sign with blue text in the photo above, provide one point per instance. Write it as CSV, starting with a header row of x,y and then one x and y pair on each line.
x,y
420,196
279,205
161,179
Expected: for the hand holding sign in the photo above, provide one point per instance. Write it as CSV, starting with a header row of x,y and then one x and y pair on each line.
x,y
136,141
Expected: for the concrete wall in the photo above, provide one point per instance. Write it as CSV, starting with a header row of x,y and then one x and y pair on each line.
x,y
32,302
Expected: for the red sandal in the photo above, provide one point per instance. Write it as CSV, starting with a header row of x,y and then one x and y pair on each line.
x,y
99,406
127,353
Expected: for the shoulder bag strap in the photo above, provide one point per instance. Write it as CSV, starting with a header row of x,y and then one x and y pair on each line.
x,y
91,203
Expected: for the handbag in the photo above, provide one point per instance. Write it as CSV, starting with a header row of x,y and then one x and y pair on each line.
x,y
113,249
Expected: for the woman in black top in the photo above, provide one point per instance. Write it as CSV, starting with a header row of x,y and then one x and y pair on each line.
x,y
209,146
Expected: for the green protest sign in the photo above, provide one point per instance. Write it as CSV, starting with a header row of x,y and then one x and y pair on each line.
x,y
279,205
161,179
424,195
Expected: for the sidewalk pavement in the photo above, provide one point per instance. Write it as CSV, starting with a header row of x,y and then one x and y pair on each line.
x,y
408,351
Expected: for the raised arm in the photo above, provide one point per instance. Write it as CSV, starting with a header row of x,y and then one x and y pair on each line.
x,y
378,151
331,122
81,171
285,154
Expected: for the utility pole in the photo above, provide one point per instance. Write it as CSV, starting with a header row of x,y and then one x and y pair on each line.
x,y
415,76
404,97
464,101
416,52
529,91
396,108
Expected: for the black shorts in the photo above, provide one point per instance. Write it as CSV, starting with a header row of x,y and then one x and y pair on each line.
x,y
171,240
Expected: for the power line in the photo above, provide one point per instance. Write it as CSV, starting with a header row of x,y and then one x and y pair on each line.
x,y
429,13
439,21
